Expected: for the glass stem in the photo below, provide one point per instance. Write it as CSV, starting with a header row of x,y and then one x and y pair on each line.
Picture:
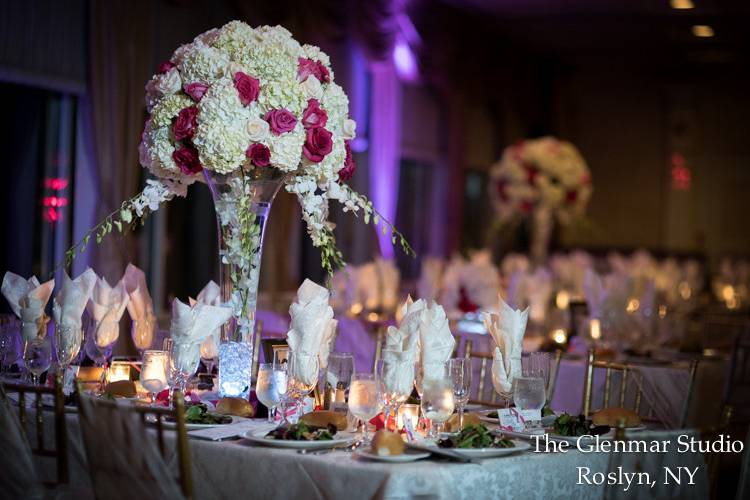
x,y
460,417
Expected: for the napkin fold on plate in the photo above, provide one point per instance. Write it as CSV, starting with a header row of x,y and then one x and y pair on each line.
x,y
311,331
436,341
27,299
106,307
140,307
401,348
190,326
209,295
70,301
507,329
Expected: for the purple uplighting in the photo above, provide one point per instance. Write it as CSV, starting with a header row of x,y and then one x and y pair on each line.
x,y
405,62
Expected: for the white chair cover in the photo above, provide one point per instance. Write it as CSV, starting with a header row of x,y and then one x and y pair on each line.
x,y
124,461
18,475
654,464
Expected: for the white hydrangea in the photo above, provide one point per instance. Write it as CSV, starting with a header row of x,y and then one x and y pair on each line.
x,y
286,149
288,95
336,103
166,109
314,53
168,83
274,59
203,64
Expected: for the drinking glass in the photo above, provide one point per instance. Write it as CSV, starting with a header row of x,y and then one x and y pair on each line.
x,y
280,382
537,364
301,377
459,370
184,359
364,399
339,376
209,354
9,333
68,341
396,383
529,393
142,332
154,372
269,388
37,357
437,403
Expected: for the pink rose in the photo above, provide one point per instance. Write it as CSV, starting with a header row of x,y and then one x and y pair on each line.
x,y
185,123
280,121
259,155
318,144
186,158
196,90
350,166
314,115
165,66
307,67
247,86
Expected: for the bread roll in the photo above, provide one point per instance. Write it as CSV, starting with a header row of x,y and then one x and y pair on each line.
x,y
611,416
469,419
235,406
325,417
121,389
387,444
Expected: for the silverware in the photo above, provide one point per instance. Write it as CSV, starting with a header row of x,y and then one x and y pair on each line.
x,y
444,452
348,448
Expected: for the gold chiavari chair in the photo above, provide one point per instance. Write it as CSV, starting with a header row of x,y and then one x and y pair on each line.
x,y
629,373
379,344
122,456
38,444
737,392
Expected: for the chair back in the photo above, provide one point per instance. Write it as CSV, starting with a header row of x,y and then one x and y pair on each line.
x,y
743,488
256,349
738,385
379,345
38,443
631,383
124,460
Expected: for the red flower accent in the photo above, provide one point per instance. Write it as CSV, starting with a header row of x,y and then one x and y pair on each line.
x,y
196,90
165,66
527,206
187,159
247,86
314,115
350,166
500,187
586,179
531,174
465,304
307,67
259,155
185,123
280,121
571,196
318,144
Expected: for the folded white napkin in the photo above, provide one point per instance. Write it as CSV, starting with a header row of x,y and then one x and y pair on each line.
x,y
389,278
140,307
507,330
189,328
538,292
27,299
400,353
70,301
209,295
310,329
106,307
326,346
593,290
436,341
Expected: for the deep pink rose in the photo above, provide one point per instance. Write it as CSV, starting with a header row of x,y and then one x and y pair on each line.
x,y
259,155
247,86
314,115
196,90
318,144
350,165
165,66
571,196
186,158
185,123
280,121
307,67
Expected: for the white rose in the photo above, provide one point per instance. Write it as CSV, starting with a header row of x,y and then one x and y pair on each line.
x,y
349,129
257,129
169,82
312,88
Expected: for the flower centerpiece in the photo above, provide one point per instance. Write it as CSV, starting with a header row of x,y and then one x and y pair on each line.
x,y
542,180
248,111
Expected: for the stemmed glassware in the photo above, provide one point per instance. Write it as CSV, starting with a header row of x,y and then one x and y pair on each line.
x,y
364,399
184,360
154,372
37,357
537,364
280,380
209,354
437,403
9,334
142,332
68,340
396,383
339,376
270,387
301,377
459,370
529,393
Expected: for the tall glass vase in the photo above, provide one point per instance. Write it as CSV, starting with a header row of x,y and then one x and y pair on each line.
x,y
242,201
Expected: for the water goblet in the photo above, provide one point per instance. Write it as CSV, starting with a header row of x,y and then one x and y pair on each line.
x,y
185,358
142,332
338,377
437,403
529,393
459,370
364,399
269,388
37,357
154,372
302,376
396,383
68,339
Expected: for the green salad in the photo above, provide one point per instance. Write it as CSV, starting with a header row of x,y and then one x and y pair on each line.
x,y
568,425
303,432
199,414
475,436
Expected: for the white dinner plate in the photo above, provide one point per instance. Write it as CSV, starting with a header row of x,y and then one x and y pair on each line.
x,y
484,418
409,455
586,440
190,427
259,437
493,452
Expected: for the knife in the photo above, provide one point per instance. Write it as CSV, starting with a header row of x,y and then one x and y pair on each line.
x,y
444,452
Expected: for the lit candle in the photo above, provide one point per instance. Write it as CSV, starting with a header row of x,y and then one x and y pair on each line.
x,y
118,371
562,300
559,335
407,413
595,329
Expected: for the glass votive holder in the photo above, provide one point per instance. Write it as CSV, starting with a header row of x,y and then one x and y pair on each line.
x,y
407,413
118,370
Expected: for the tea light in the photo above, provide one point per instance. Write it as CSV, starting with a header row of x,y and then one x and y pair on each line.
x,y
559,335
119,370
407,413
356,308
595,329
562,300
633,305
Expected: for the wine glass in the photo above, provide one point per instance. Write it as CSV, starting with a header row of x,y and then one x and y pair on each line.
x,y
396,383
301,377
185,358
154,372
280,381
459,370
68,339
437,403
339,376
37,357
529,393
142,332
364,399
268,388
209,354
